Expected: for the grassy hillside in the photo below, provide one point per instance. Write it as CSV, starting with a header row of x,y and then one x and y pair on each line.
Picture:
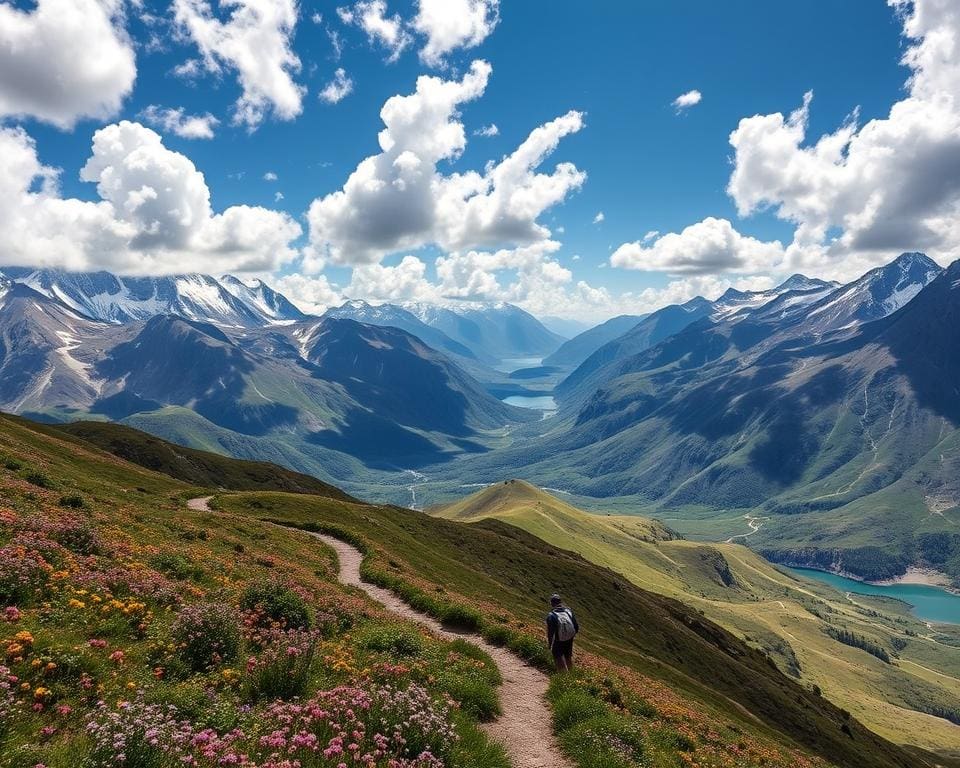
x,y
789,618
200,468
132,586
499,577
135,632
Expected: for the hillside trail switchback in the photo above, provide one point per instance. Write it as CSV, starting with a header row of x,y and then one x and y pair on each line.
x,y
524,727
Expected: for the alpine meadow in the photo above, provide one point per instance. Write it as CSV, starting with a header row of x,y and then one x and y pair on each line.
x,y
479,384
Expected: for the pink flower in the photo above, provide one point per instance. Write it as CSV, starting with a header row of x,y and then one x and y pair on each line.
x,y
11,613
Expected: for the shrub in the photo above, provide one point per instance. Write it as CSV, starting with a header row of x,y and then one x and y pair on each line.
x,y
176,566
206,635
23,574
605,741
13,464
461,617
277,602
80,538
38,479
575,707
73,502
475,696
283,670
395,639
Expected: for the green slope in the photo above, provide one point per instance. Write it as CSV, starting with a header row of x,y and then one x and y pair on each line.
x,y
196,467
787,617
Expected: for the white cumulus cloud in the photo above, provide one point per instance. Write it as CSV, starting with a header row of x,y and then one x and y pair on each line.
x,y
866,192
177,122
254,39
709,246
687,100
64,60
381,29
337,89
452,24
399,200
153,214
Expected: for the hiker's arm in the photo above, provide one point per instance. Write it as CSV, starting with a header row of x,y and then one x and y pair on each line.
x,y
550,631
576,625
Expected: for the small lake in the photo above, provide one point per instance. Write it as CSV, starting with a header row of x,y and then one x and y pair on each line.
x,y
929,603
511,364
538,402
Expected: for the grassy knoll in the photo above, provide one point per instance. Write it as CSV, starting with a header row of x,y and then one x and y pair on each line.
x,y
791,619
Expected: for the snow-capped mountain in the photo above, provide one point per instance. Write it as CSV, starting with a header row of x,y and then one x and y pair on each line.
x,y
492,330
115,299
390,315
803,290
879,293
257,295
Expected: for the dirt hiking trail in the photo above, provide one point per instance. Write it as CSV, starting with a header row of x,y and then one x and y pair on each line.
x,y
524,727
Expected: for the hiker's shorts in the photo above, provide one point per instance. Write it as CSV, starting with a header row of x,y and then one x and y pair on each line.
x,y
562,649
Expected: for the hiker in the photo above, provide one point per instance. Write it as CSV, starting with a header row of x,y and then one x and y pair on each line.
x,y
562,627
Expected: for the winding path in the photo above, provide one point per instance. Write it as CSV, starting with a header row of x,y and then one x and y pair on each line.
x,y
524,727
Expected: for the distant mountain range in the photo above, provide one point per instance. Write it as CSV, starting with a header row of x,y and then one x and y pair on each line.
x,y
829,413
811,406
234,366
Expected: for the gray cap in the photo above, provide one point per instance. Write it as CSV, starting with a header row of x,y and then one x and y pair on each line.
x,y
555,599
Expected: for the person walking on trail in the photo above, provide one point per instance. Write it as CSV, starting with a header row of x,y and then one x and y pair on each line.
x,y
562,627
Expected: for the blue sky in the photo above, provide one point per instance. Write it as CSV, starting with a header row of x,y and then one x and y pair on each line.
x,y
649,166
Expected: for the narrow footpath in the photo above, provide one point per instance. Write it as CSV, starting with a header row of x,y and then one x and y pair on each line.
x,y
524,727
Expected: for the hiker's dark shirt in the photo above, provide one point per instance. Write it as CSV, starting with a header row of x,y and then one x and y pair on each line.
x,y
553,622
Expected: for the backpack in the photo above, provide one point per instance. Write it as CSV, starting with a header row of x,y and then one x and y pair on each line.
x,y
565,629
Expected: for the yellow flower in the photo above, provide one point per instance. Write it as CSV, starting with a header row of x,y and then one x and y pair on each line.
x,y
40,692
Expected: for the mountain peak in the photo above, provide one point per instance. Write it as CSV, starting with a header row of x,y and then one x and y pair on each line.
x,y
912,258
799,282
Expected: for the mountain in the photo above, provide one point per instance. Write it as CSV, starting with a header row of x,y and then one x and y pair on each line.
x,y
648,332
259,296
497,331
43,360
880,292
798,307
321,396
799,282
110,298
393,372
565,326
573,352
397,317
848,447
788,617
535,510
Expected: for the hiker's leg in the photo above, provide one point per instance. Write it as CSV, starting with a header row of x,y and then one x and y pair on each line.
x,y
568,658
560,662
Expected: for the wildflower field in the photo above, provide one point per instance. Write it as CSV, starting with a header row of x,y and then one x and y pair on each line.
x,y
135,633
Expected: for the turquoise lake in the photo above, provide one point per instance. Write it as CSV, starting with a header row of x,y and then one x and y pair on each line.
x,y
929,603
